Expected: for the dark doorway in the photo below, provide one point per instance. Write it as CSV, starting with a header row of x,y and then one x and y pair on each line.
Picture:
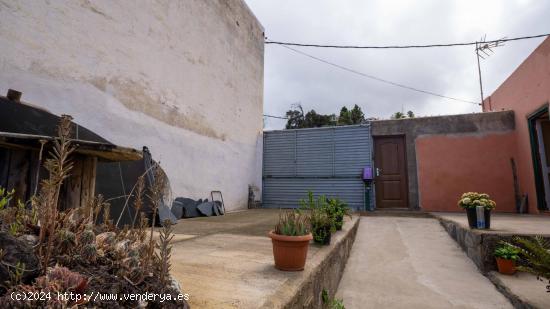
x,y
539,129
390,172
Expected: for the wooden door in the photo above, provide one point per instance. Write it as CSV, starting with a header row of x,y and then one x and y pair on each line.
x,y
390,172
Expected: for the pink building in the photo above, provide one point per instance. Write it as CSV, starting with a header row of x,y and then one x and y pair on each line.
x,y
527,93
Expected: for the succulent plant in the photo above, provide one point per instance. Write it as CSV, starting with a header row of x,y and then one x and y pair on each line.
x,y
89,253
86,237
68,280
66,238
105,240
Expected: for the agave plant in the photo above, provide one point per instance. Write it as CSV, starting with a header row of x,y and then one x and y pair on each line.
x,y
292,224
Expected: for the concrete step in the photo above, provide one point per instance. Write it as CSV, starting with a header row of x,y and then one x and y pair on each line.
x,y
396,213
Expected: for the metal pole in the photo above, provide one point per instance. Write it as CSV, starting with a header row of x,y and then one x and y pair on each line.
x,y
479,72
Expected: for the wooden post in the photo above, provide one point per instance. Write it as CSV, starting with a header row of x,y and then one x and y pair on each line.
x,y
88,180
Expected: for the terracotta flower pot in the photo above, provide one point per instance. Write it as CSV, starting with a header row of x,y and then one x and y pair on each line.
x,y
507,267
290,252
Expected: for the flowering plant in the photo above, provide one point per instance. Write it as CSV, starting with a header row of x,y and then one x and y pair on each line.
x,y
474,199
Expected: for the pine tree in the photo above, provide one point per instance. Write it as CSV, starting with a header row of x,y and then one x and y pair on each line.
x,y
357,115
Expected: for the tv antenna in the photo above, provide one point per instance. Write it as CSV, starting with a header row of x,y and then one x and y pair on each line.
x,y
484,50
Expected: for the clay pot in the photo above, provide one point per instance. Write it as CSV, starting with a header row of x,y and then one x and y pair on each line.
x,y
507,267
290,252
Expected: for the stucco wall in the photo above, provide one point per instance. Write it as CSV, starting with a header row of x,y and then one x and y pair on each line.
x,y
449,165
479,123
525,91
184,78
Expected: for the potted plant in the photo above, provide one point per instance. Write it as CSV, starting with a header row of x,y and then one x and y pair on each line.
x,y
322,220
290,240
470,200
506,256
322,226
337,209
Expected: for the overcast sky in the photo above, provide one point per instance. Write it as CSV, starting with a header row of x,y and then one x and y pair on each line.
x,y
291,78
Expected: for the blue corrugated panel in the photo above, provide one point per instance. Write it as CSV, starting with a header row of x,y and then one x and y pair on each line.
x,y
326,160
286,192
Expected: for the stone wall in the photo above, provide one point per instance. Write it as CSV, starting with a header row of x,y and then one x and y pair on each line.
x,y
184,78
478,245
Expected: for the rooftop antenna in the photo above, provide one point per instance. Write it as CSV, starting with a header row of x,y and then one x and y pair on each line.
x,y
484,50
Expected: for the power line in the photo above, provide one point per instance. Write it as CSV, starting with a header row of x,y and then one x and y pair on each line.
x,y
278,117
404,46
377,78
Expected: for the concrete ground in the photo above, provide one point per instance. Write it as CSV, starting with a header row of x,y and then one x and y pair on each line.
x,y
528,290
227,261
507,223
216,259
412,263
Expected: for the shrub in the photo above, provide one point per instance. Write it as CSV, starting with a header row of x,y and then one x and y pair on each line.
x,y
474,199
337,209
321,225
507,252
292,223
534,255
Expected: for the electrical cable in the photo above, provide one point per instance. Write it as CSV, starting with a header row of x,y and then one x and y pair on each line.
x,y
377,78
405,46
278,117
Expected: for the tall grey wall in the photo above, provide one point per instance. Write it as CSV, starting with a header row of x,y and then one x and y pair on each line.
x,y
184,78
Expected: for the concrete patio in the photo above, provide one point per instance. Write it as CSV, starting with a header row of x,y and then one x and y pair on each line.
x,y
227,262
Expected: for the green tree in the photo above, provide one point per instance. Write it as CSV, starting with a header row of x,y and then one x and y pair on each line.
x,y
295,117
398,115
345,117
357,115
410,114
314,120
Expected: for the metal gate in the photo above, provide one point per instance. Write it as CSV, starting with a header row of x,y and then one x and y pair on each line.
x,y
326,161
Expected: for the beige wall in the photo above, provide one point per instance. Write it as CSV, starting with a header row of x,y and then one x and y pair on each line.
x,y
184,78
525,91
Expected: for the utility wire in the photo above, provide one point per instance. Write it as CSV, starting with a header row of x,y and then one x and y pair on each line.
x,y
404,46
377,78
278,117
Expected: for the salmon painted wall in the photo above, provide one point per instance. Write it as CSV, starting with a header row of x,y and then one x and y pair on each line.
x,y
449,165
526,90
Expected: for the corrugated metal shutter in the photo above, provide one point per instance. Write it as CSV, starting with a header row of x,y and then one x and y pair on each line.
x,y
353,147
279,153
326,161
315,155
286,192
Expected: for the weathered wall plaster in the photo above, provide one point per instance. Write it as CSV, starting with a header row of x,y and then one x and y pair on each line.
x,y
184,78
